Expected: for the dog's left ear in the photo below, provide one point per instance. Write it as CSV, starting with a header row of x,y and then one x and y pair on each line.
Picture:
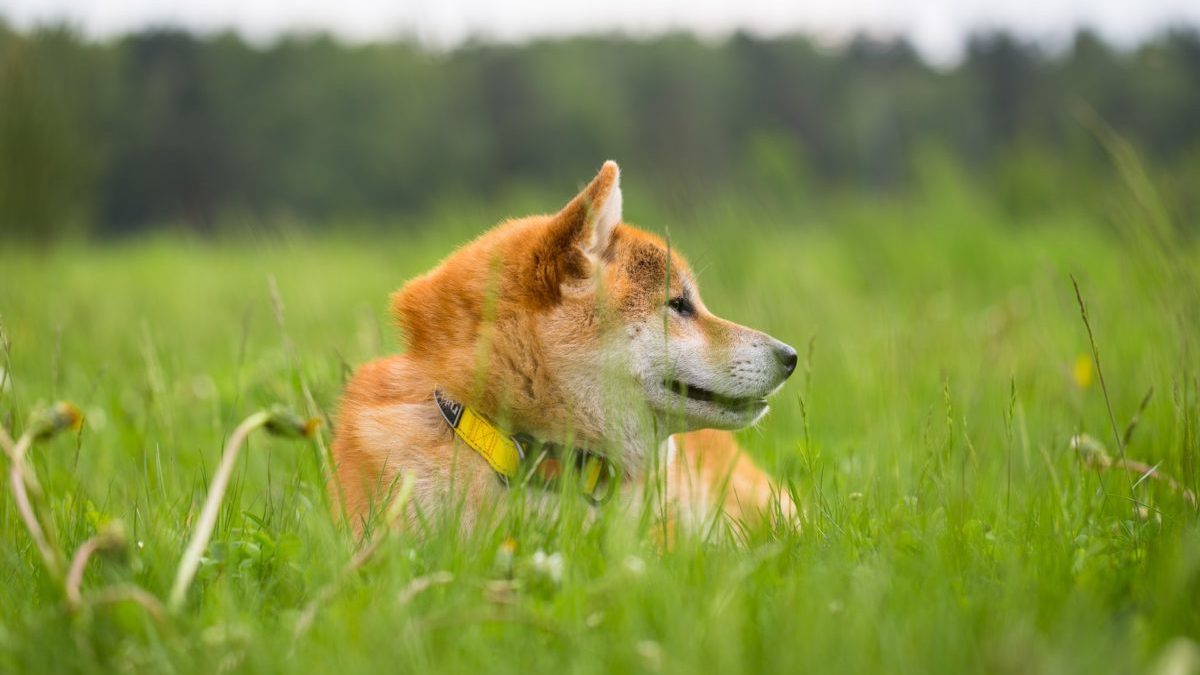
x,y
588,220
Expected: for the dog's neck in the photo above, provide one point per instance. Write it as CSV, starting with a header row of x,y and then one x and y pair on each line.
x,y
616,417
568,399
639,446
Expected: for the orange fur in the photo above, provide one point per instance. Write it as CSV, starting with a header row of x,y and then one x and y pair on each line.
x,y
512,323
710,471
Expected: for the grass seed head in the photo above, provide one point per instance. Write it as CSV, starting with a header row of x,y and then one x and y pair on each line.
x,y
285,423
45,423
1090,450
113,538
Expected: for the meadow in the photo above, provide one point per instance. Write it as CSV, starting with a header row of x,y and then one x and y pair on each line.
x,y
950,523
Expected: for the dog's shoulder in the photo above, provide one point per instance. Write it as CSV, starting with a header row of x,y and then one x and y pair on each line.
x,y
389,380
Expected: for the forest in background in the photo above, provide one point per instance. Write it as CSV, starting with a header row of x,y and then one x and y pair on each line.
x,y
168,129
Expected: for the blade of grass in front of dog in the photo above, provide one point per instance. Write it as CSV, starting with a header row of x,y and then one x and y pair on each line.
x,y
1112,418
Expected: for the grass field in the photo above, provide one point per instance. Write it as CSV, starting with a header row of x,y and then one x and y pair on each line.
x,y
950,526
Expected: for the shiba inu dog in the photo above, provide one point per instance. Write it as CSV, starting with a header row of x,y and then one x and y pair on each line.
x,y
561,345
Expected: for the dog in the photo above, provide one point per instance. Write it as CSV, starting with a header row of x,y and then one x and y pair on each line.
x,y
565,347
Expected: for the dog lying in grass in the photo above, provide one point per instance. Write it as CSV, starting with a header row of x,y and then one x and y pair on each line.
x,y
566,351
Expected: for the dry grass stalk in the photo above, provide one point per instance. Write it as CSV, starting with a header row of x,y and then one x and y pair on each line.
x,y
27,491
115,595
1094,455
111,539
277,421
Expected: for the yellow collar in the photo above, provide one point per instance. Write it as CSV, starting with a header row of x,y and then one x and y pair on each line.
x,y
505,453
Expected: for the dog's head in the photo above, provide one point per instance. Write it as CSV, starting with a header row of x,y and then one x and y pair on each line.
x,y
564,305
695,369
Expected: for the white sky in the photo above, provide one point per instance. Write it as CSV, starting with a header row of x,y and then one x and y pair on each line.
x,y
937,27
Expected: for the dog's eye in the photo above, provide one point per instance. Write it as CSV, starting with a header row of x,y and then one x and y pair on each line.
x,y
682,306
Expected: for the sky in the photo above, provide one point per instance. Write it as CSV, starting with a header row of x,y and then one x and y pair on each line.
x,y
936,27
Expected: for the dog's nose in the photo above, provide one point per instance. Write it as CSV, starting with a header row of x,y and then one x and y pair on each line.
x,y
786,356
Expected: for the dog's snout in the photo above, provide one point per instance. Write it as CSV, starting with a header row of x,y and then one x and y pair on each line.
x,y
787,357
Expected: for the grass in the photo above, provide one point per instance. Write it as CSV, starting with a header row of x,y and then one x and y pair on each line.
x,y
950,525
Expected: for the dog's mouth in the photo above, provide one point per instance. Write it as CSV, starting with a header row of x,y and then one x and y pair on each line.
x,y
694,393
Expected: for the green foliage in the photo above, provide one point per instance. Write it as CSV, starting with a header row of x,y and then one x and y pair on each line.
x,y
167,129
950,527
46,165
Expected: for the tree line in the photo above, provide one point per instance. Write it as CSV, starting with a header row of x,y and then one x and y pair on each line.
x,y
166,128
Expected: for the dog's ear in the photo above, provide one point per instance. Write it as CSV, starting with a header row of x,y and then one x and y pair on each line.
x,y
588,220
574,240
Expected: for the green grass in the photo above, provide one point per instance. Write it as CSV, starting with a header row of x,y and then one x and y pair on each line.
x,y
950,527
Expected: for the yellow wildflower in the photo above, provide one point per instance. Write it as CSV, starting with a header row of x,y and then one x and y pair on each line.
x,y
1083,371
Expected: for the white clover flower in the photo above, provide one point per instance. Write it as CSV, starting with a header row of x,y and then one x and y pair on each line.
x,y
97,419
651,653
549,566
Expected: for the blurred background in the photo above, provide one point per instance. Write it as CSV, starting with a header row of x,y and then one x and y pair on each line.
x,y
122,117
205,203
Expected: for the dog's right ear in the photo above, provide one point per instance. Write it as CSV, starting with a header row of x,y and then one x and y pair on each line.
x,y
576,237
575,240
587,222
